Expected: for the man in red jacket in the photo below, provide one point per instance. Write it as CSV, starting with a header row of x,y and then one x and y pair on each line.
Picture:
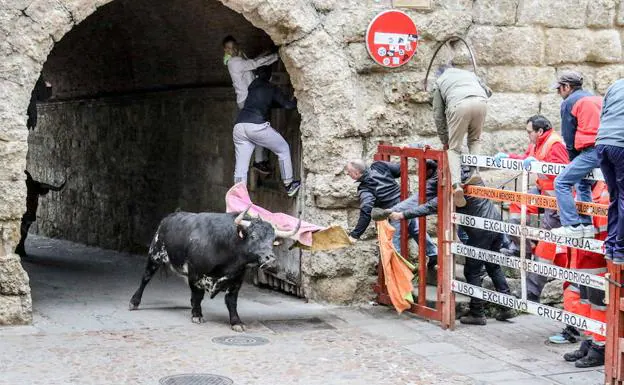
x,y
545,145
580,118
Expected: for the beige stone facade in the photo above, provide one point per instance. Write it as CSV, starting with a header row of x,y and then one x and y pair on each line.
x,y
347,102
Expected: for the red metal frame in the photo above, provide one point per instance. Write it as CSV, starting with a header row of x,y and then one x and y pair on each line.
x,y
614,352
444,310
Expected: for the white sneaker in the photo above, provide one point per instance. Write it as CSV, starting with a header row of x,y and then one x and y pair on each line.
x,y
588,231
569,231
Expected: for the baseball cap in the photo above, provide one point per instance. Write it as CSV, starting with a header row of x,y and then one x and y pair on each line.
x,y
568,77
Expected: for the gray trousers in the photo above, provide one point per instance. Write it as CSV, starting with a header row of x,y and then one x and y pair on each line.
x,y
261,153
249,135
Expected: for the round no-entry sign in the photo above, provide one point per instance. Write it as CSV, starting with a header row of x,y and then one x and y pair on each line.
x,y
392,38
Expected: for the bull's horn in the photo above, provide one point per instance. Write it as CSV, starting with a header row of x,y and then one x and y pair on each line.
x,y
239,218
287,234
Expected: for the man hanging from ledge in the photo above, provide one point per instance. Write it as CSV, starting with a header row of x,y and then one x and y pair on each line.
x,y
253,128
34,189
459,110
378,188
482,239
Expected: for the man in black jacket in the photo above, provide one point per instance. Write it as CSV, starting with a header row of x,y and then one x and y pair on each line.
x,y
378,188
253,128
34,189
482,239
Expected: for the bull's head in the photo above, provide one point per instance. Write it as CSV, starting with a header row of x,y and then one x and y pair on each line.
x,y
260,236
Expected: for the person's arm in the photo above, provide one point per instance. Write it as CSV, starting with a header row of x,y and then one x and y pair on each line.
x,y
252,64
393,168
282,100
367,201
415,211
521,156
568,127
439,115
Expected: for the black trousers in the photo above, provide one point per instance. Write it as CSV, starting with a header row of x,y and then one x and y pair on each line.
x,y
472,272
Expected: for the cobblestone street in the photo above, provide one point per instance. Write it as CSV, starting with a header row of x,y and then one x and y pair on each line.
x,y
84,334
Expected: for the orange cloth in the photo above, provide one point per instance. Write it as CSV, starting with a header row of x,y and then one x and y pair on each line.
x,y
397,274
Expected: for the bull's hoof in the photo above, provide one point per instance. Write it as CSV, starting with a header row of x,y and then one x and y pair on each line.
x,y
133,306
238,328
197,320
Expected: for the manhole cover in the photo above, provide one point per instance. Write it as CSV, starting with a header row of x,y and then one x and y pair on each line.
x,y
297,325
240,340
195,379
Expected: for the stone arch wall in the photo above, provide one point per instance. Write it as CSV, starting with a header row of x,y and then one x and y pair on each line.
x,y
29,30
347,103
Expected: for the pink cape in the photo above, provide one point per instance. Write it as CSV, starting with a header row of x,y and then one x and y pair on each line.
x,y
237,200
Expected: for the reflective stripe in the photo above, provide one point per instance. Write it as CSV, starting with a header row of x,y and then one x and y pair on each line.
x,y
599,307
602,229
573,288
542,260
560,249
585,301
596,271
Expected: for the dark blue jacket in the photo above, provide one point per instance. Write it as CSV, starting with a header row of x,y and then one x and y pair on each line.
x,y
378,188
478,207
262,96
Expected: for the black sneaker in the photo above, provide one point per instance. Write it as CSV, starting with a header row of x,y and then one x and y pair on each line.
x,y
293,188
473,320
262,167
594,357
576,355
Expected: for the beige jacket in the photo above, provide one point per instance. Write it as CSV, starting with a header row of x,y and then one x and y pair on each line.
x,y
453,86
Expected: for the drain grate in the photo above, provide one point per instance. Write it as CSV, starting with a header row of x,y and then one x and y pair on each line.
x,y
298,325
243,340
195,379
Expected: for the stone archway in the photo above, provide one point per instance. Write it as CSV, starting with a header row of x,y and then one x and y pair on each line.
x,y
321,77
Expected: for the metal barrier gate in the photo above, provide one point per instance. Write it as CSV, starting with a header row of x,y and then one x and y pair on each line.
x,y
444,310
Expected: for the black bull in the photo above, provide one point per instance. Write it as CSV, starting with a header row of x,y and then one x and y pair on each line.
x,y
212,251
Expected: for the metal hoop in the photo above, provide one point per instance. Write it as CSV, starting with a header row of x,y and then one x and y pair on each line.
x,y
450,40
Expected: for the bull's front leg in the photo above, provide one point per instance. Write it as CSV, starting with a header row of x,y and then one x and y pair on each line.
x,y
197,295
231,301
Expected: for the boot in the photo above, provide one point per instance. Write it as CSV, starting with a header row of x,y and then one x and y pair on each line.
x,y
471,319
505,313
580,353
458,196
473,177
432,275
595,357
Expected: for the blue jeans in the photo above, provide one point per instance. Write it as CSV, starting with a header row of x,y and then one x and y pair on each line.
x,y
573,176
431,250
612,166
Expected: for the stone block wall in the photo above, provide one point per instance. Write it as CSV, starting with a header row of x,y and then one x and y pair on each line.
x,y
131,160
347,103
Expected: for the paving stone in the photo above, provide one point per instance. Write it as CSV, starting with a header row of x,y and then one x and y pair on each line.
x,y
497,377
84,334
434,349
592,377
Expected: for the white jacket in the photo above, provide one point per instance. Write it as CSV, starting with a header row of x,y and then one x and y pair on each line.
x,y
241,72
